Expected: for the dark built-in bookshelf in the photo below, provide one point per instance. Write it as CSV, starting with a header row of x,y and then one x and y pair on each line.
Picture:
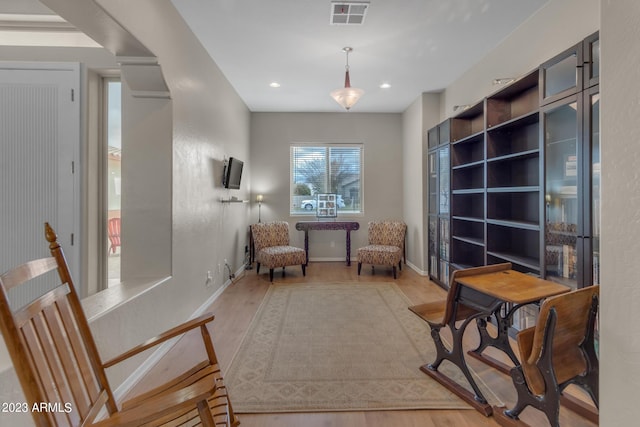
x,y
516,177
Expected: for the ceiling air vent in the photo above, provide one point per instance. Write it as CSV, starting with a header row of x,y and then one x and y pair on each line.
x,y
348,13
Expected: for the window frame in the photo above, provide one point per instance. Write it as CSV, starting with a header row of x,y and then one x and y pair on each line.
x,y
296,211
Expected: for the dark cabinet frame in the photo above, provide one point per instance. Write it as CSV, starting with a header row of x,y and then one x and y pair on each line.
x,y
497,171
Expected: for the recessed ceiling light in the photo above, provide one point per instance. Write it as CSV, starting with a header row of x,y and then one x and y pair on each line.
x,y
385,86
274,84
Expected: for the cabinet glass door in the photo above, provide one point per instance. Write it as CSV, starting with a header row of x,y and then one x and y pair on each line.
x,y
433,182
592,60
562,75
433,246
561,192
443,181
444,250
595,186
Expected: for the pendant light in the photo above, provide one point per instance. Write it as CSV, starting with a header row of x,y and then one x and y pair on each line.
x,y
347,96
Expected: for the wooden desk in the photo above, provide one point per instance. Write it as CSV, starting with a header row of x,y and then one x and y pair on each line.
x,y
490,292
328,225
480,295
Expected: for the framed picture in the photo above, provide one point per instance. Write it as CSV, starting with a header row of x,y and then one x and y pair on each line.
x,y
326,205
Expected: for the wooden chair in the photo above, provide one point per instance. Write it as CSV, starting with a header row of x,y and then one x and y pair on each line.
x,y
559,350
386,245
447,313
113,228
271,243
57,361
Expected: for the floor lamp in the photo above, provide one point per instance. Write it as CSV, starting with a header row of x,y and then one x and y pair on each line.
x,y
259,199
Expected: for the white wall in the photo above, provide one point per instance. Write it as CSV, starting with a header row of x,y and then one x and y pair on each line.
x,y
381,134
209,122
422,114
620,244
554,28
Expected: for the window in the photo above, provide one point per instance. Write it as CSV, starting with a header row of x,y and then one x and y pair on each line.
x,y
326,168
113,178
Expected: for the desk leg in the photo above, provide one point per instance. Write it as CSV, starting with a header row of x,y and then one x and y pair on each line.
x,y
306,246
500,341
348,247
456,356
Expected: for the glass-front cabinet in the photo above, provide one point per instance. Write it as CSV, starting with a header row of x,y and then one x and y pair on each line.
x,y
561,141
516,177
593,202
444,202
439,203
571,138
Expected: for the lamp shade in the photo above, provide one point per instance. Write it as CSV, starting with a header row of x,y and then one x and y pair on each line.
x,y
347,96
259,198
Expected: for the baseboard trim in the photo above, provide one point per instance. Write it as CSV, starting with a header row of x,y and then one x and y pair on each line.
x,y
417,270
327,259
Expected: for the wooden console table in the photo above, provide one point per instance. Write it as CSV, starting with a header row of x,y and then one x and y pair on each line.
x,y
327,225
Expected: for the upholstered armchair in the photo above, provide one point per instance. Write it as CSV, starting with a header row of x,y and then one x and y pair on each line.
x,y
386,245
272,249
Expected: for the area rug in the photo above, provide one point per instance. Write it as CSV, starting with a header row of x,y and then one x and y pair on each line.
x,y
336,347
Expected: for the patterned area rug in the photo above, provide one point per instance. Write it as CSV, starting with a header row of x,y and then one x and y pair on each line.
x,y
336,347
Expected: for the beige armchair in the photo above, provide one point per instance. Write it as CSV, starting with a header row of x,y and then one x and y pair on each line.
x,y
386,245
271,245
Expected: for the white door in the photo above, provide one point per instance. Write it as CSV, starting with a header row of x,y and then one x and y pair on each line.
x,y
39,168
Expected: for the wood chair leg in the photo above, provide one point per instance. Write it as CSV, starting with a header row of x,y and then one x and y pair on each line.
x,y
304,270
271,274
258,268
394,272
359,267
282,271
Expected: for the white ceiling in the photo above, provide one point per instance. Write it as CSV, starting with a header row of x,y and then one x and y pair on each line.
x,y
414,45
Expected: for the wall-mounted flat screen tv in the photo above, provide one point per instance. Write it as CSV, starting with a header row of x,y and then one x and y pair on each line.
x,y
232,173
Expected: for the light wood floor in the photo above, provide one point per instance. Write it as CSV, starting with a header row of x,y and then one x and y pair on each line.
x,y
237,305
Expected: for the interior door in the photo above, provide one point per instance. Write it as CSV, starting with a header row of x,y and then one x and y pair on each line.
x,y
39,167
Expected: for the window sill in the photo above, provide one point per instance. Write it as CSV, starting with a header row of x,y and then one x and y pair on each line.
x,y
109,299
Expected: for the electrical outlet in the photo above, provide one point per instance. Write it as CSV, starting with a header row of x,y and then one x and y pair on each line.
x,y
209,278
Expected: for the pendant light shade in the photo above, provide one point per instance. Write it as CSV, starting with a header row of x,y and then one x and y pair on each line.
x,y
347,96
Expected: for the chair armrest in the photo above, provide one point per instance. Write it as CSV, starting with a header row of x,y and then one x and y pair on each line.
x,y
171,333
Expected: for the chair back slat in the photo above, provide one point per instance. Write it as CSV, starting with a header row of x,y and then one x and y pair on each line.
x,y
69,364
87,374
46,381
53,351
51,346
28,271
